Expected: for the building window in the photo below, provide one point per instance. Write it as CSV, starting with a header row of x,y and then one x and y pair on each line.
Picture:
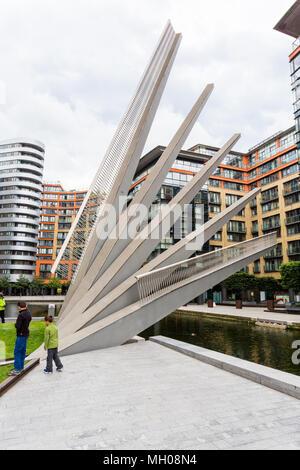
x,y
214,198
256,267
235,186
231,199
215,183
236,226
273,265
290,170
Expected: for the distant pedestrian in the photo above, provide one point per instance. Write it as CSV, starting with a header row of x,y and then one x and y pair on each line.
x,y
22,330
51,345
2,307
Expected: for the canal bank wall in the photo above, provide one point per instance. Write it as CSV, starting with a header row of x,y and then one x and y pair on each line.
x,y
254,315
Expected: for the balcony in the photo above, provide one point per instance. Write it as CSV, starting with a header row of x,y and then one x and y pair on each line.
x,y
291,190
273,226
292,220
236,230
216,202
272,269
273,254
268,198
293,251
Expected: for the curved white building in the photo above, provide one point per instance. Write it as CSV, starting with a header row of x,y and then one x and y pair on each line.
x,y
21,172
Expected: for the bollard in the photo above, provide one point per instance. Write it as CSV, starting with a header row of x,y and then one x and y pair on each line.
x,y
51,310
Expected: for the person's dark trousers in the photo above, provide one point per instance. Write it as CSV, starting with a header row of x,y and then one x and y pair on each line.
x,y
2,315
20,352
53,356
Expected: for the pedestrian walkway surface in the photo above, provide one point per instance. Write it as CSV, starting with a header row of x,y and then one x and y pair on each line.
x,y
245,312
145,396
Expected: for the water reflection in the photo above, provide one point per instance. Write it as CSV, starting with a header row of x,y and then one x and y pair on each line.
x,y
267,346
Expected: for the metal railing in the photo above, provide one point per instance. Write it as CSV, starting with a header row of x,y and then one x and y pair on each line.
x,y
293,219
292,189
269,197
155,283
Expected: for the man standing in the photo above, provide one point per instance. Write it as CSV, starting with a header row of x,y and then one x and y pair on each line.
x,y
2,307
22,330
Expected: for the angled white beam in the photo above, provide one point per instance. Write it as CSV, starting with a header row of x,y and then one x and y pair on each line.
x,y
142,246
122,325
119,191
126,293
133,146
114,246
127,123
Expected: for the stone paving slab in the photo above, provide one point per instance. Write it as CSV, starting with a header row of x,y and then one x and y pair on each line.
x,y
273,378
248,313
145,396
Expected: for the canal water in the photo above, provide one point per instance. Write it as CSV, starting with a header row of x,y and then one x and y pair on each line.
x,y
266,346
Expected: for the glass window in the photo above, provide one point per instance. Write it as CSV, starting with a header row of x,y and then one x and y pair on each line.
x,y
290,170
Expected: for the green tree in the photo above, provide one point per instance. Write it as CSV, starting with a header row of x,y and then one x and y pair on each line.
x,y
65,286
22,284
238,283
54,283
37,284
270,285
290,277
5,284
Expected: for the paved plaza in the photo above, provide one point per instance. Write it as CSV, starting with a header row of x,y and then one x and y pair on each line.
x,y
145,396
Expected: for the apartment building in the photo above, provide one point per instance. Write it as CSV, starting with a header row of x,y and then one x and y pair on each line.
x,y
58,211
271,165
21,172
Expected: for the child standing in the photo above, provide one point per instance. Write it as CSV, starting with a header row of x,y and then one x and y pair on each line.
x,y
51,345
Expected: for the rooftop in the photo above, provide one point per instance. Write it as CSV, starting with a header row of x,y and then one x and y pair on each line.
x,y
290,22
155,153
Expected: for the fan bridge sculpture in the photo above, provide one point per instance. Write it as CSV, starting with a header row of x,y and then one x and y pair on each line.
x,y
114,295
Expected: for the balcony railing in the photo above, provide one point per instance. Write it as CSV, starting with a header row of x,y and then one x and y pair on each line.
x,y
292,220
216,202
268,198
273,254
293,251
291,190
236,230
271,226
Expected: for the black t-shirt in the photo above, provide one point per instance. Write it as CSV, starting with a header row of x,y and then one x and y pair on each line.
x,y
22,323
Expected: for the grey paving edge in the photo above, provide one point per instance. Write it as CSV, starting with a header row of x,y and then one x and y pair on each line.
x,y
272,378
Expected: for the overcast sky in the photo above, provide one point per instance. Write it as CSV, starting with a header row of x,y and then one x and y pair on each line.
x,y
71,66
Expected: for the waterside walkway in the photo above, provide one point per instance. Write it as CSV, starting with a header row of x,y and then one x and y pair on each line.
x,y
247,313
145,396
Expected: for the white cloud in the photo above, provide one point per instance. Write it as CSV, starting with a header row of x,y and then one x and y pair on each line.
x,y
70,68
